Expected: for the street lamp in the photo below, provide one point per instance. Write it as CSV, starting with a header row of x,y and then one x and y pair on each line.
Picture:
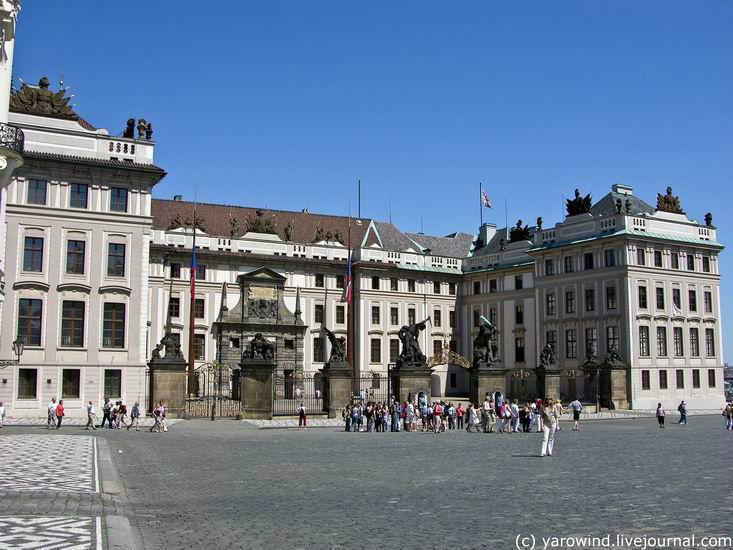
x,y
18,347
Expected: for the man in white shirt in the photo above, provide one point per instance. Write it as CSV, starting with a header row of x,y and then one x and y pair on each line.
x,y
2,414
51,421
576,406
91,416
486,420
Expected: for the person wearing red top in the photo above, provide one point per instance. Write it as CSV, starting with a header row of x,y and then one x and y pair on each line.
x,y
437,417
459,416
59,413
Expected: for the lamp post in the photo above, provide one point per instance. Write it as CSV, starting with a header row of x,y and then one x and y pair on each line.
x,y
18,347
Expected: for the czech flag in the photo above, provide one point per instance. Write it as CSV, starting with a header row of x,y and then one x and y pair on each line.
x,y
348,286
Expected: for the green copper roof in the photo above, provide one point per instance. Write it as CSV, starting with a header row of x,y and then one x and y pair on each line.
x,y
498,267
430,269
630,233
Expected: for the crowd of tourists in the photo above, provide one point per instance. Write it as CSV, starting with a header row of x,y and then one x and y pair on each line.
x,y
114,416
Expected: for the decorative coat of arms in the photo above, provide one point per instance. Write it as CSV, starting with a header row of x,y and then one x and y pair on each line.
x,y
262,302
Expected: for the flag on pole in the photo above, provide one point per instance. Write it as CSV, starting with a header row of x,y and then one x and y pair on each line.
x,y
347,287
485,199
193,259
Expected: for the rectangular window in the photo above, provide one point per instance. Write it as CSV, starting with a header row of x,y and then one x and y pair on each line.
x,y
410,285
75,257
662,341
519,350
175,271
706,264
320,280
551,338
394,350
680,378
645,384
711,378
549,267
199,347
199,308
477,287
640,256
118,199
519,315
679,350
660,297
340,315
393,284
611,337
591,340
662,379
27,383
550,303
452,289
174,307
476,317
33,254
695,378
710,342
37,192
610,257
452,319
437,317
116,260
318,313
610,297
657,258
394,316
437,347
113,383
289,344
675,257
317,349
375,283
570,301
340,281
590,299
588,260
676,299
692,294
644,341
694,343
492,316
518,282
29,321
436,287
642,297
78,194
690,262
569,264
375,355
113,330
411,316
200,272
70,383
72,324
493,286
571,344
708,297
375,315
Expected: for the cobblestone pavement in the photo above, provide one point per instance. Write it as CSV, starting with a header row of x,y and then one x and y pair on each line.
x,y
227,484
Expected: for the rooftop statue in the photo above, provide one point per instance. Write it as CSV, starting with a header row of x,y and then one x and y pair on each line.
x,y
289,232
519,233
42,101
260,223
709,219
130,129
578,205
669,202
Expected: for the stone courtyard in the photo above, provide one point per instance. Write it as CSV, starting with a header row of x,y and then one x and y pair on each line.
x,y
228,484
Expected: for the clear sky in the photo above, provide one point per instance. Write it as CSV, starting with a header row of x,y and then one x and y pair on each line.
x,y
286,104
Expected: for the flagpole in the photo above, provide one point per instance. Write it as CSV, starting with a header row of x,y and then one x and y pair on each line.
x,y
506,220
191,312
480,205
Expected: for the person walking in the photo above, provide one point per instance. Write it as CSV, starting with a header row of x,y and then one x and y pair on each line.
x,y
660,415
515,415
538,408
2,414
472,416
683,413
459,416
549,423
51,421
155,428
302,417
135,417
59,413
91,416
576,406
558,411
437,417
727,414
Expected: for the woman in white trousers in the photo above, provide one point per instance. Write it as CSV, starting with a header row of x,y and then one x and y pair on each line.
x,y
549,423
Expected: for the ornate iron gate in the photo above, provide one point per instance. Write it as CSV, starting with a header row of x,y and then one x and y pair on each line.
x,y
216,392
291,389
374,388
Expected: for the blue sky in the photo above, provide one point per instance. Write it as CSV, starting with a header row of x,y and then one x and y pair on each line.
x,y
287,104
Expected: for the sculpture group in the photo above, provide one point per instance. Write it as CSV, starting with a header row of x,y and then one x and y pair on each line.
x,y
259,348
485,349
411,354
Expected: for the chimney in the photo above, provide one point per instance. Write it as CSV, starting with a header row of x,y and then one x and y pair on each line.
x,y
486,232
178,198
622,189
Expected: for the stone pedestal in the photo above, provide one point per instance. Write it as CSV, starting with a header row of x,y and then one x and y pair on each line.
x,y
256,376
337,387
548,382
485,379
614,386
410,380
168,384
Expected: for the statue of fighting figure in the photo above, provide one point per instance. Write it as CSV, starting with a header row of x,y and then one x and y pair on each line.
x,y
258,348
411,353
485,349
338,347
